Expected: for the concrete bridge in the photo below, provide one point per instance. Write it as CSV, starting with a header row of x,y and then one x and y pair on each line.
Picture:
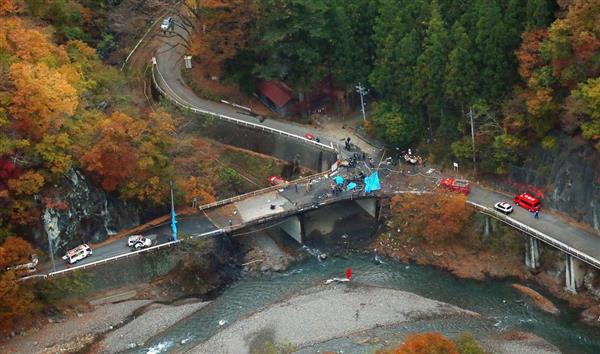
x,y
286,206
578,245
282,206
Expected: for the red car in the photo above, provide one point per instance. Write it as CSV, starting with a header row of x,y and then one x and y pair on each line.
x,y
527,201
456,185
309,136
275,180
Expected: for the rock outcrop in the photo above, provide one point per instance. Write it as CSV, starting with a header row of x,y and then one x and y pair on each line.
x,y
567,177
84,213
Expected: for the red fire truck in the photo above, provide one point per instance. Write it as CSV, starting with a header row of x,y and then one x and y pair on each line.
x,y
456,185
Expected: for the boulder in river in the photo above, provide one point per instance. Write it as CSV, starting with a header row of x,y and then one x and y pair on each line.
x,y
538,300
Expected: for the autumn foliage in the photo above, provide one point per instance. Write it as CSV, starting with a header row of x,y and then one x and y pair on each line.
x,y
435,217
223,29
16,301
424,343
54,116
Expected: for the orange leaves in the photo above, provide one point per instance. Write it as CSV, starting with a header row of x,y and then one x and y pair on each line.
x,y
29,44
15,301
113,158
528,53
225,29
198,188
112,161
8,7
42,98
129,153
436,217
14,251
424,343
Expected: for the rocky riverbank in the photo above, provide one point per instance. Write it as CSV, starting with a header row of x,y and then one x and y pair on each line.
x,y
323,313
499,254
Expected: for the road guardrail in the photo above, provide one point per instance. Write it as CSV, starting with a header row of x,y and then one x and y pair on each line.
x,y
182,103
537,234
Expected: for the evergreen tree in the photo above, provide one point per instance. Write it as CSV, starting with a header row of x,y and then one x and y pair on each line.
x,y
397,35
537,13
431,66
494,51
460,82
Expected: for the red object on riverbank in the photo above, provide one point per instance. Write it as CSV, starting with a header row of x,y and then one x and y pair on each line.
x,y
349,273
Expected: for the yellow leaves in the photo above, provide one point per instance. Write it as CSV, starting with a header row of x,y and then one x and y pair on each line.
x,y
42,98
28,183
149,189
538,100
54,150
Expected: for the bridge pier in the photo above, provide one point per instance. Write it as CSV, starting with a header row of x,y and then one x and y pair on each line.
x,y
369,205
293,227
574,273
532,253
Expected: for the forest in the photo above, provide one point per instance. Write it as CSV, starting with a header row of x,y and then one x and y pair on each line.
x,y
522,70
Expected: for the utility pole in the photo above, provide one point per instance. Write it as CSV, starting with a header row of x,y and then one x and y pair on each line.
x,y
51,249
173,220
473,140
361,90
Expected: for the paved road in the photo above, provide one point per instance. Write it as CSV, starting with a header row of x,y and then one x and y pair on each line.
x,y
577,238
169,63
189,225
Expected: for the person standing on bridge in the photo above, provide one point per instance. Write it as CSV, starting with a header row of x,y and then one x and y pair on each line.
x,y
536,214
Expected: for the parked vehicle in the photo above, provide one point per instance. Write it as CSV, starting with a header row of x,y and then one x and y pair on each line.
x,y
503,207
27,268
275,180
456,185
78,253
527,201
138,242
166,24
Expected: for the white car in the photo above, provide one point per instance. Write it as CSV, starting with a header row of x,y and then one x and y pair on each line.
x,y
166,24
138,242
503,207
78,253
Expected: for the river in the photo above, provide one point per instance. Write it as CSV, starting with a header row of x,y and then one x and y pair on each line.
x,y
502,307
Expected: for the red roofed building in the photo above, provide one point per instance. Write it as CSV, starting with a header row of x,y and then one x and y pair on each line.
x,y
276,95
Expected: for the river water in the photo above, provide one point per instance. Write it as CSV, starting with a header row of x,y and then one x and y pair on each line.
x,y
501,306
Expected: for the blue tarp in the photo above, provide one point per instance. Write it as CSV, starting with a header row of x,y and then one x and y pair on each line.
x,y
372,182
173,226
339,180
351,186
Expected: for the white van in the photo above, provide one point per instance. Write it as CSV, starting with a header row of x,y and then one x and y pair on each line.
x,y
78,253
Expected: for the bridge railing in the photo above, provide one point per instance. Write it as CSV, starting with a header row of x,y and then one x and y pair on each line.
x,y
299,209
261,191
181,103
102,261
537,234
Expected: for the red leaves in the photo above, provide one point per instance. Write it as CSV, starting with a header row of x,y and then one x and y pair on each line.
x,y
424,343
8,170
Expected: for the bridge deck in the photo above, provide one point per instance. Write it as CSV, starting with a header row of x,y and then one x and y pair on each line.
x,y
582,243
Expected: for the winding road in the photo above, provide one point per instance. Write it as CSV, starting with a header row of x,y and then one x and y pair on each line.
x,y
167,71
